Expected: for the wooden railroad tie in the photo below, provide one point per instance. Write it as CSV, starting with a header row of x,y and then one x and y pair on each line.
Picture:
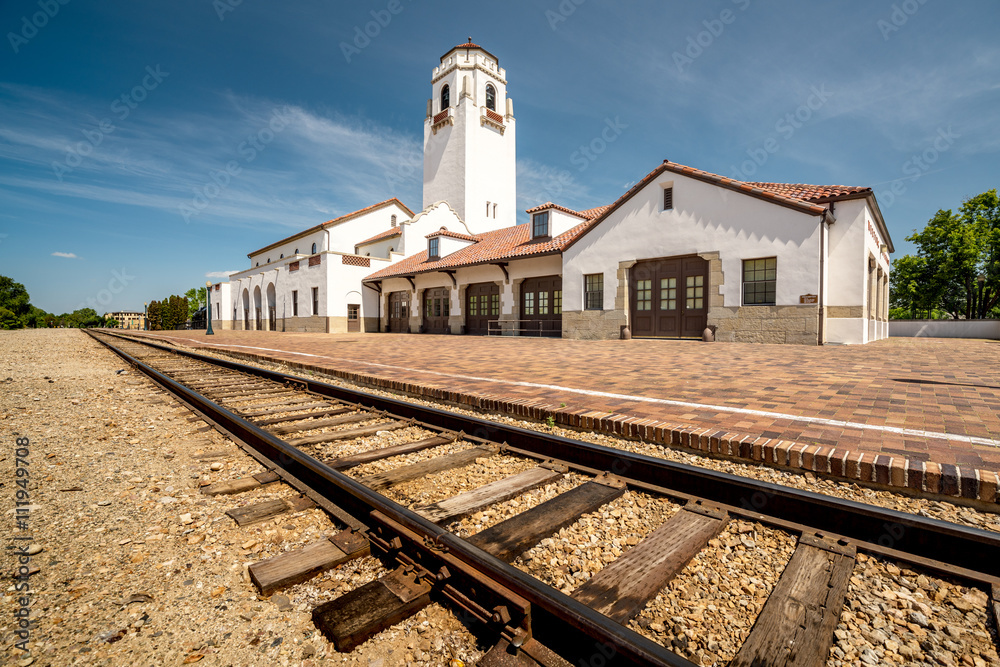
x,y
285,406
389,478
305,423
622,589
329,412
240,485
464,504
268,509
248,394
294,567
346,462
348,434
796,625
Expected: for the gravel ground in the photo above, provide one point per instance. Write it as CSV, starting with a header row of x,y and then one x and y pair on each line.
x,y
899,616
135,565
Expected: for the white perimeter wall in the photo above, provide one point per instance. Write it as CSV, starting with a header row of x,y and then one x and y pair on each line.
x,y
945,329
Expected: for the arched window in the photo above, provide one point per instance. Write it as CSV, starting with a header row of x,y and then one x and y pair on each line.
x,y
258,264
390,248
392,221
267,261
445,97
282,256
314,249
491,97
296,251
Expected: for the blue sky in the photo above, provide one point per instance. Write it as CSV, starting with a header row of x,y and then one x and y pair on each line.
x,y
115,116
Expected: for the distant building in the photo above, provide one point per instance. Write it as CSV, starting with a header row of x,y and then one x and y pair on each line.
x,y
683,251
127,319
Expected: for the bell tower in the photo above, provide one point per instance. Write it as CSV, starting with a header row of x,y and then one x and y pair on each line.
x,y
469,158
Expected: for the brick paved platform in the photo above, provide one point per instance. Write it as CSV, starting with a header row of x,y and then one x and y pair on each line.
x,y
918,413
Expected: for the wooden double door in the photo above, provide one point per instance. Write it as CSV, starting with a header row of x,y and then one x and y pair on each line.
x,y
541,306
437,307
668,297
482,304
399,312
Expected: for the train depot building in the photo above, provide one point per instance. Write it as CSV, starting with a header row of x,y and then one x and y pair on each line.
x,y
681,252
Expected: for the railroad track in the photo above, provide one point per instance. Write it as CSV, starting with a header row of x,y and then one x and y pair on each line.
x,y
329,443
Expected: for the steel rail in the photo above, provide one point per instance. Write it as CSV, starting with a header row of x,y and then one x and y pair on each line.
x,y
626,646
967,552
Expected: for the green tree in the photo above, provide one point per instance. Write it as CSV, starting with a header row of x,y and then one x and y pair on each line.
x,y
953,251
14,297
153,316
34,318
196,300
8,320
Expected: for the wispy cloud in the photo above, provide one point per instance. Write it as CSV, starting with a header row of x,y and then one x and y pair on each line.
x,y
317,167
68,255
538,183
220,274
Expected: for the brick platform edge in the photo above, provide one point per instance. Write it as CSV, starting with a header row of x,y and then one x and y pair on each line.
x,y
876,470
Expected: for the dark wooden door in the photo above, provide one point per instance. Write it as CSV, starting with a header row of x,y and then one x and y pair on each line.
x,y
436,310
668,298
399,312
482,304
353,318
541,306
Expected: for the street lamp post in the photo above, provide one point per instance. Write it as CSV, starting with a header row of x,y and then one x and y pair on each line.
x,y
208,309
145,316
981,279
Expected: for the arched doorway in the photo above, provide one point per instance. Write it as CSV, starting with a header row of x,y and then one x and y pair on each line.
x,y
272,308
245,299
256,309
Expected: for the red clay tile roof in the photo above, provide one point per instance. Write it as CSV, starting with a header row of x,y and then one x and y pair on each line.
x,y
588,214
812,193
496,246
387,234
470,45
592,213
346,216
453,235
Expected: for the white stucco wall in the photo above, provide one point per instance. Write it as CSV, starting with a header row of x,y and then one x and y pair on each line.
x,y
705,218
302,244
382,248
344,235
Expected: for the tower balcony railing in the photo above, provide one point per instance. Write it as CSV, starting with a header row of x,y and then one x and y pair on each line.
x,y
491,118
446,117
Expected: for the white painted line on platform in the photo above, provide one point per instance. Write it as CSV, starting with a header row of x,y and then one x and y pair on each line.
x,y
646,399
